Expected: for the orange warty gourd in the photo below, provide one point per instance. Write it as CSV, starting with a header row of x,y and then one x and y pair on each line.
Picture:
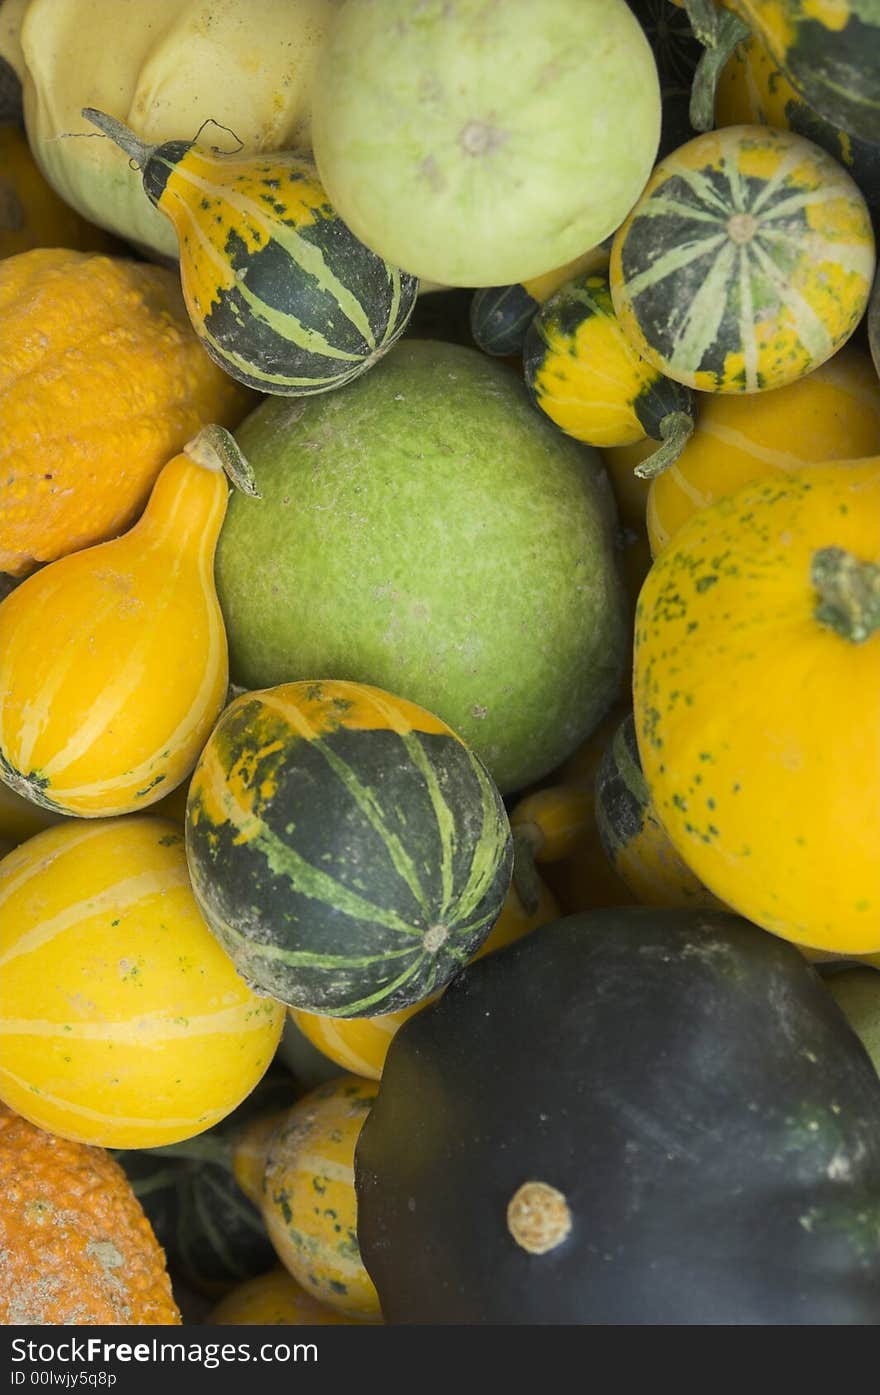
x,y
113,660
31,213
102,380
75,1245
757,675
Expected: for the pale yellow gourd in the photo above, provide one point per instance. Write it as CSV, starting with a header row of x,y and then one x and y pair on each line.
x,y
113,660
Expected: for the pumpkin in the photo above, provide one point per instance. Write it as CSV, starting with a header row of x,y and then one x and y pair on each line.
x,y
636,1117
360,1044
99,350
781,822
31,213
746,262
633,837
532,154
274,1298
280,293
305,1189
371,898
118,1003
752,90
581,370
76,1246
123,646
245,66
499,610
831,414
500,315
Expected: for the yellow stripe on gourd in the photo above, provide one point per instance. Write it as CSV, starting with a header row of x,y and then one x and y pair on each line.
x,y
575,372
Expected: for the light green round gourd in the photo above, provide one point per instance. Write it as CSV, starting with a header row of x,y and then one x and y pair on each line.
x,y
427,532
482,144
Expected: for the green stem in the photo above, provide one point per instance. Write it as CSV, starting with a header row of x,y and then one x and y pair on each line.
x,y
120,134
215,448
719,31
525,873
676,429
849,593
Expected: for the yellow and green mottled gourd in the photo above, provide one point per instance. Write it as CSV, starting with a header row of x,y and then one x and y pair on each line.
x,y
281,294
274,1299
756,682
113,660
303,1182
584,374
831,414
122,1021
746,262
500,315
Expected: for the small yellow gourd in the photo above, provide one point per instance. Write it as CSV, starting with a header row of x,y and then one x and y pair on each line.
x,y
274,1299
113,661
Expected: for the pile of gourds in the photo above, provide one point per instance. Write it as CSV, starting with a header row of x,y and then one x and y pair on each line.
x,y
439,662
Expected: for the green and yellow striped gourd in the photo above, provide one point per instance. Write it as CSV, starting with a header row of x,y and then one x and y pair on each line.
x,y
280,292
746,262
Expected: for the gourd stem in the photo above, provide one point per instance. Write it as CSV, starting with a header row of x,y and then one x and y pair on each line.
x,y
210,1150
849,593
215,448
120,134
525,873
719,39
676,430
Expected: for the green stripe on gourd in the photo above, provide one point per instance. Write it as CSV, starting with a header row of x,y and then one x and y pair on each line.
x,y
746,262
348,868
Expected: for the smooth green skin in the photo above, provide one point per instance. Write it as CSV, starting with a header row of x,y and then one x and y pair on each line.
x,y
480,143
425,530
857,992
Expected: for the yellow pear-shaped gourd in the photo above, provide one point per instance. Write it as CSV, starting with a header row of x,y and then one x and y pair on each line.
x,y
113,661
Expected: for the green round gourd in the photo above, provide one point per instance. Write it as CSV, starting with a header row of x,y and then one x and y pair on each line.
x,y
346,848
477,144
428,532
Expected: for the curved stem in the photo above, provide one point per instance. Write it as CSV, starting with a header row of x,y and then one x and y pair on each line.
x,y
676,430
849,593
120,134
215,448
719,39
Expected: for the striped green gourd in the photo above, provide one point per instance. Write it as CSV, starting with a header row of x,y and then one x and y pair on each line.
x,y
746,262
280,292
348,850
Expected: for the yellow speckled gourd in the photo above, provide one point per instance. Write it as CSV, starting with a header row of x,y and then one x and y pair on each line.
x,y
757,674
122,1021
305,1190
101,380
746,262
360,1044
31,213
831,414
113,660
274,1299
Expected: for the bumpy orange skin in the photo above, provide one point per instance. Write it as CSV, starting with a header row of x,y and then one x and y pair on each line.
x,y
75,1245
102,380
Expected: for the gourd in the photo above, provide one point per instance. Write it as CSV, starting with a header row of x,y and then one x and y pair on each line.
x,y
274,1298
360,1044
118,1003
77,1247
633,837
677,53
746,262
20,817
581,370
123,650
675,1089
500,315
31,213
280,293
856,990
503,613
346,847
245,65
833,413
779,824
752,89
533,154
99,350
301,1178
874,325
